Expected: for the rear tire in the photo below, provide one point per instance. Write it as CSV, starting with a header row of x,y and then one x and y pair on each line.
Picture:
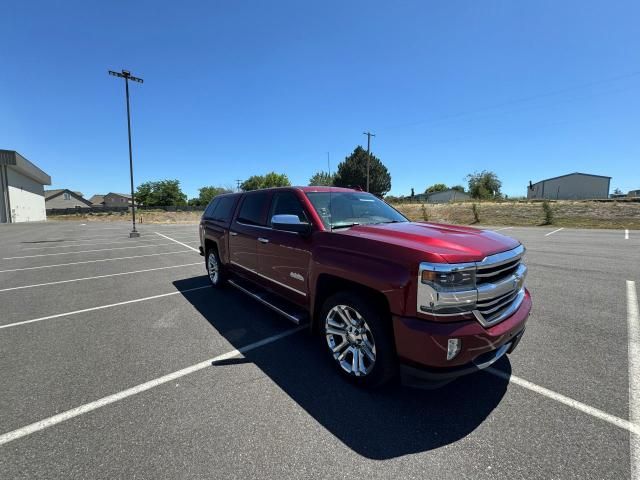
x,y
358,339
215,269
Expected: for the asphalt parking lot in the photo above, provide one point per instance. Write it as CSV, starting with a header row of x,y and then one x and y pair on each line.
x,y
118,361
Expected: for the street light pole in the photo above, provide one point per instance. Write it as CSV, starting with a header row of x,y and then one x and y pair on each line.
x,y
369,135
127,76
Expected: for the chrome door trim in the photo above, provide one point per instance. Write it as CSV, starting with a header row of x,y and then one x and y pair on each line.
x,y
299,292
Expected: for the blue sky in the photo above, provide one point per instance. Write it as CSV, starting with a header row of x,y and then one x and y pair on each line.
x,y
528,89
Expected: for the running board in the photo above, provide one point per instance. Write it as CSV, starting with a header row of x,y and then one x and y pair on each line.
x,y
292,313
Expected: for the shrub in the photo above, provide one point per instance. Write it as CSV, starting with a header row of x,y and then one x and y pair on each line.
x,y
425,214
476,213
548,213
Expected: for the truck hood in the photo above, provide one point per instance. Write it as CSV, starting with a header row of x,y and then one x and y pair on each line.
x,y
453,243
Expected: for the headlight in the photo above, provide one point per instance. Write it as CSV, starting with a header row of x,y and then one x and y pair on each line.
x,y
447,289
448,280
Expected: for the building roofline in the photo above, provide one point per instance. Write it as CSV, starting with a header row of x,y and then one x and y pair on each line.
x,y
24,166
75,194
568,175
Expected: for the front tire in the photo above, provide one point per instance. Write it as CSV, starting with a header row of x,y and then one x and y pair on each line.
x,y
215,269
359,339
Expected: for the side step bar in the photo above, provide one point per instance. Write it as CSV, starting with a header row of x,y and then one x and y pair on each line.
x,y
297,316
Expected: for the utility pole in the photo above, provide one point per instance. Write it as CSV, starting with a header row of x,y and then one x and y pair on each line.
x,y
369,135
127,76
238,184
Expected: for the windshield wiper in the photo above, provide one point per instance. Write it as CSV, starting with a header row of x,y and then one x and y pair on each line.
x,y
344,225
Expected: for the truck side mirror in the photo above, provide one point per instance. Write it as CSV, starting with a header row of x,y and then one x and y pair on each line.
x,y
290,223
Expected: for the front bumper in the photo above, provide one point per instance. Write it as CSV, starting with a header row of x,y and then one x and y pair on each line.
x,y
421,345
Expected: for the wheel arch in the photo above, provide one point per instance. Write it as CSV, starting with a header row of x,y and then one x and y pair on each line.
x,y
328,284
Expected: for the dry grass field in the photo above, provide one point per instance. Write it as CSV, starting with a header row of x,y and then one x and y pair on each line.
x,y
585,214
142,217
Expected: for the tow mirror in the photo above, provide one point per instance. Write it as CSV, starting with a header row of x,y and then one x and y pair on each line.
x,y
290,223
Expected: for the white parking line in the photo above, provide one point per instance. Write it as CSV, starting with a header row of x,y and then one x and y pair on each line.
x,y
570,402
179,243
626,234
86,251
633,321
88,243
503,228
551,233
101,307
98,276
92,261
88,407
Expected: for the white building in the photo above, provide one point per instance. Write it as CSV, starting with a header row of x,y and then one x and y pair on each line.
x,y
21,189
573,186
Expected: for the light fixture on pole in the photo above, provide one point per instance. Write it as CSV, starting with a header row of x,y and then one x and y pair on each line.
x,y
127,76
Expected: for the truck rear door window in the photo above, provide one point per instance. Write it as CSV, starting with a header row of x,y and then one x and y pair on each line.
x,y
253,209
224,209
211,208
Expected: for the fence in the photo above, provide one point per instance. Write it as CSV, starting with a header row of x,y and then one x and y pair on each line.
x,y
141,208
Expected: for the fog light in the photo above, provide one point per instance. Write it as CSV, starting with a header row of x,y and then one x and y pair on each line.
x,y
453,348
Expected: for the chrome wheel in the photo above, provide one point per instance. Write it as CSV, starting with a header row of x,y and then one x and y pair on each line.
x,y
213,268
350,340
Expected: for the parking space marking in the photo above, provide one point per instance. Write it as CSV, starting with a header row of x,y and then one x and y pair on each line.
x,y
626,234
88,243
86,251
503,228
633,321
551,233
179,243
101,307
92,261
570,402
104,401
97,276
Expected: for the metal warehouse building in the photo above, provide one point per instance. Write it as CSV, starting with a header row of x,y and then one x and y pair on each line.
x,y
573,186
21,189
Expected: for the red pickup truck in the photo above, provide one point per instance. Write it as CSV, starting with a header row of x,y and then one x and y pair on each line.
x,y
387,295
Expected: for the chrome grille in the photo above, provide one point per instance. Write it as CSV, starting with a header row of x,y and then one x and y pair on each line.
x,y
496,272
499,280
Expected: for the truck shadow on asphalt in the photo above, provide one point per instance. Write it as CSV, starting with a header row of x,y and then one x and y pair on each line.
x,y
381,424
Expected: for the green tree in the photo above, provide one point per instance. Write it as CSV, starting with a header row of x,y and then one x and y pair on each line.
x,y
458,188
271,179
436,187
206,194
254,182
161,193
353,173
484,185
321,179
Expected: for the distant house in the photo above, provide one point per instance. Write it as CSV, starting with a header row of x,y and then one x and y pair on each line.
x,y
444,196
573,186
447,196
97,200
65,198
21,189
117,200
633,193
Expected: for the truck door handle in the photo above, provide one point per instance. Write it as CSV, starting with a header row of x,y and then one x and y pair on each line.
x,y
233,234
263,240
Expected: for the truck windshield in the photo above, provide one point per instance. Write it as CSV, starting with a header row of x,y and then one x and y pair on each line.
x,y
345,209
